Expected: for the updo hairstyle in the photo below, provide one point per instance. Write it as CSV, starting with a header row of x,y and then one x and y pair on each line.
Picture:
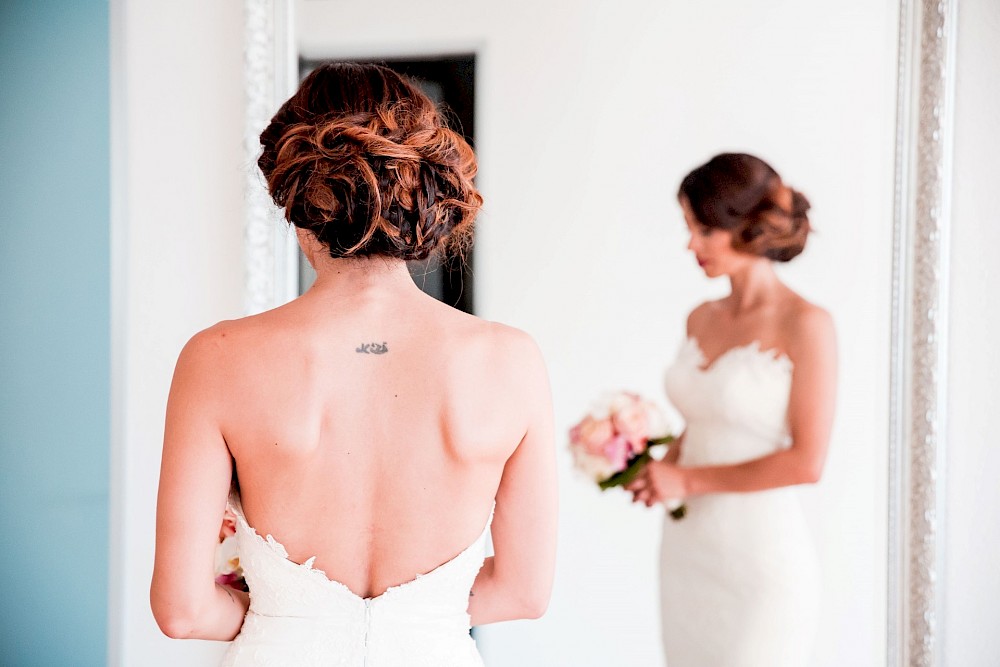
x,y
743,195
362,158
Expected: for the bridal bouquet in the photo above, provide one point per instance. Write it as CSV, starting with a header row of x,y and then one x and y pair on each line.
x,y
227,562
612,443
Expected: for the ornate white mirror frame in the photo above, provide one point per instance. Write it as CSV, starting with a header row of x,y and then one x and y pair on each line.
x,y
926,79
927,31
270,67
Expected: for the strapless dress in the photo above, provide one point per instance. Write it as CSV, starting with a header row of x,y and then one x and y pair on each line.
x,y
739,575
300,618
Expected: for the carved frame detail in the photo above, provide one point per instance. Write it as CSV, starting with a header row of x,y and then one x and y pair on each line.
x,y
270,251
927,31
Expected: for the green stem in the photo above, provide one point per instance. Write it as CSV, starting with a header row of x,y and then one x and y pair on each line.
x,y
625,476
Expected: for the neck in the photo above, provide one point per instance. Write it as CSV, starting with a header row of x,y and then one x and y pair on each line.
x,y
753,285
367,277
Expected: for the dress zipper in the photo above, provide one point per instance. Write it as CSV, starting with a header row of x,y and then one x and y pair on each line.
x,y
368,620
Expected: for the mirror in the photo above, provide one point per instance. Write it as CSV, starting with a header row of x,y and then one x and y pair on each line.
x,y
586,117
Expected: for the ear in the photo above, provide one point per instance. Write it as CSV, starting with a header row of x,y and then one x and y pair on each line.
x,y
309,244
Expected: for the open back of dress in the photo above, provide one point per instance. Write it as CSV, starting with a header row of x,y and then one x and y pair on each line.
x,y
300,617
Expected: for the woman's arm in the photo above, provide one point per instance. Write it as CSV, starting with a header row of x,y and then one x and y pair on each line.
x,y
813,351
673,454
195,475
517,581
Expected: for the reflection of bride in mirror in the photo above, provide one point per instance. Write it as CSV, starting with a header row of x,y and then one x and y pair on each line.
x,y
755,381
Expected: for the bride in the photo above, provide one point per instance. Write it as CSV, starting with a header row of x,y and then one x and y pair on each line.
x,y
373,438
756,382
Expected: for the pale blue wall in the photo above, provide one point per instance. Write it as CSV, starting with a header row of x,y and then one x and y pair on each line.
x,y
54,331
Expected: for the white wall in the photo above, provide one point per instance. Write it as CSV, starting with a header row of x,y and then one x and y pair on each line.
x,y
972,520
177,264
588,115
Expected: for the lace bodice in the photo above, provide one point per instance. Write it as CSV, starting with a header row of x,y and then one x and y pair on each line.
x,y
736,409
298,616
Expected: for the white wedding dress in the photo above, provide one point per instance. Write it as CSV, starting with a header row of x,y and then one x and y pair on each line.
x,y
739,575
300,618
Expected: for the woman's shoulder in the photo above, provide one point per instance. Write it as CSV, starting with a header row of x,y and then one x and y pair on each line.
x,y
808,326
800,314
468,331
223,342
224,332
501,344
476,346
254,334
488,362
207,343
206,363
703,316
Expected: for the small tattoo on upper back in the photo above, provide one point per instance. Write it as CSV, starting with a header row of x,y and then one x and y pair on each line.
x,y
373,348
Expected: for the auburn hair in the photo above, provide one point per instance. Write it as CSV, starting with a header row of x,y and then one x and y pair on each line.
x,y
745,196
363,159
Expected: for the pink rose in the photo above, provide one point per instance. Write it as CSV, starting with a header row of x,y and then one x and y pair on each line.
x,y
631,421
228,525
592,434
616,451
233,580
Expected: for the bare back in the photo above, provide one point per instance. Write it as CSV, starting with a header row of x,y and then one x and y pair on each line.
x,y
371,427
371,432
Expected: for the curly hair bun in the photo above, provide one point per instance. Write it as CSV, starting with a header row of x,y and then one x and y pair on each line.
x,y
745,196
362,158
